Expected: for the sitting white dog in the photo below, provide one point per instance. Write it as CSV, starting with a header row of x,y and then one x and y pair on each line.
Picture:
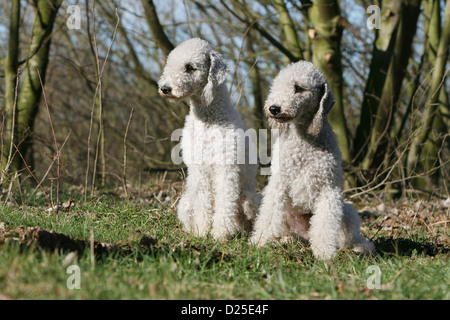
x,y
304,194
219,195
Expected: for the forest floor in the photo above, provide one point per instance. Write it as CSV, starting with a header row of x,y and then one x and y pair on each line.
x,y
109,247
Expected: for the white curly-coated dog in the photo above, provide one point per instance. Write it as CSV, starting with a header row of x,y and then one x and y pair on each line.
x,y
304,194
219,196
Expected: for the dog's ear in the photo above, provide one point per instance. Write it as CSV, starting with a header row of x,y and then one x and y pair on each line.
x,y
218,72
325,105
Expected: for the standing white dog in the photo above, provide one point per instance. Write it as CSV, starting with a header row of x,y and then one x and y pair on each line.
x,y
219,195
304,195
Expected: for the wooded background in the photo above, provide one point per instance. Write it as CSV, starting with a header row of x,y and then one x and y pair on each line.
x,y
102,124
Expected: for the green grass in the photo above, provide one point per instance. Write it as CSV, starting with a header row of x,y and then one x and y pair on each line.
x,y
179,266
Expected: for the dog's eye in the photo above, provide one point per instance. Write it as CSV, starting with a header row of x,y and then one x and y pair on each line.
x,y
189,68
299,89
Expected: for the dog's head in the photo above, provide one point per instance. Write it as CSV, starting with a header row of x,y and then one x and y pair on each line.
x,y
301,94
192,68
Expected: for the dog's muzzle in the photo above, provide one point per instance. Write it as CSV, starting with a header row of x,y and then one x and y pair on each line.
x,y
275,113
274,110
166,90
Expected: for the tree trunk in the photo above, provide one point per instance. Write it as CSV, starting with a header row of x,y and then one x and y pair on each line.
x,y
159,36
292,42
391,88
11,65
257,87
432,107
326,40
432,20
382,54
31,92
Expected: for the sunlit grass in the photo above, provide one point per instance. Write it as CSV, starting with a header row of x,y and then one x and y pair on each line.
x,y
177,265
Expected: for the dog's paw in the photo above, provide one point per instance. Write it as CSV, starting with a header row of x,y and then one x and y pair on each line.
x,y
323,253
222,233
258,240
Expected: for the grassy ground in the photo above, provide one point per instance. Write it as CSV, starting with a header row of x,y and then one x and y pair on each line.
x,y
142,253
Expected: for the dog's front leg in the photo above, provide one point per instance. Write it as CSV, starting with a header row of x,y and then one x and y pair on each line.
x,y
270,222
195,206
226,194
326,223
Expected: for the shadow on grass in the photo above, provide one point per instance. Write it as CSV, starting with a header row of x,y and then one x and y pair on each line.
x,y
389,246
50,241
142,245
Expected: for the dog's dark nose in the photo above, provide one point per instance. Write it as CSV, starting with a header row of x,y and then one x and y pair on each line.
x,y
166,89
275,109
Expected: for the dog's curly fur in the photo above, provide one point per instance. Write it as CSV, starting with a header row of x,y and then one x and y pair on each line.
x,y
304,193
219,196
